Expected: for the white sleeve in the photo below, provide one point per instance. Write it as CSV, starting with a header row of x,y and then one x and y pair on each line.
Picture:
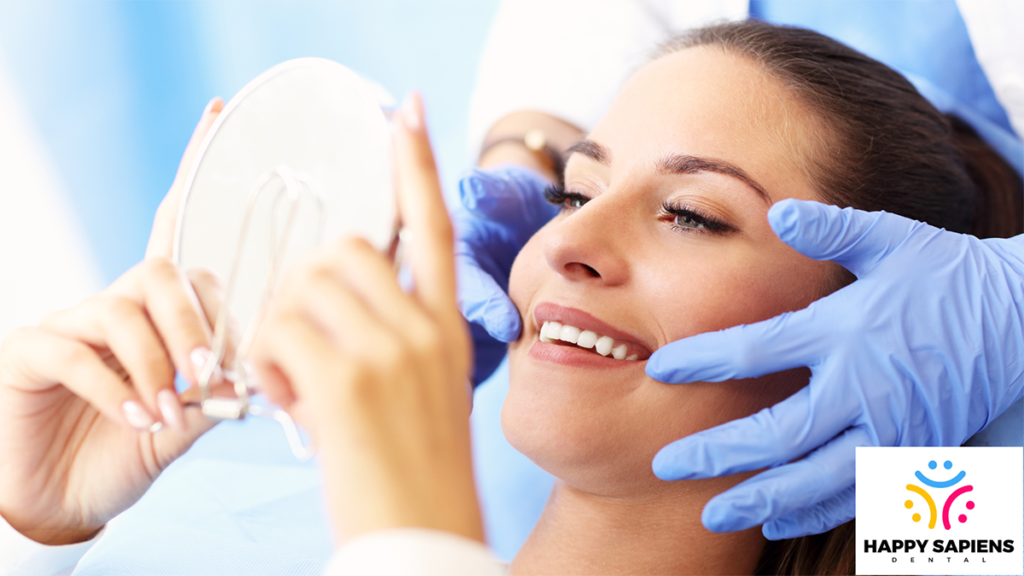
x,y
413,552
995,28
568,58
22,556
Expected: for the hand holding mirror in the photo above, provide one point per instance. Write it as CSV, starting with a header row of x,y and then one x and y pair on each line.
x,y
301,154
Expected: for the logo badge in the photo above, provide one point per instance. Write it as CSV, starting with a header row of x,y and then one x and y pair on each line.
x,y
940,510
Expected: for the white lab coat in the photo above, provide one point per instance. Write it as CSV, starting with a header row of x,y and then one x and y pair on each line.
x,y
567,58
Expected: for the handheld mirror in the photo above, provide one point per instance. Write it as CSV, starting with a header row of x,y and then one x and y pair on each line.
x,y
301,155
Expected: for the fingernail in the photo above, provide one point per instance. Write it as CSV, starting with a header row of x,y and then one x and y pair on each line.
x,y
411,113
136,415
216,104
200,357
171,409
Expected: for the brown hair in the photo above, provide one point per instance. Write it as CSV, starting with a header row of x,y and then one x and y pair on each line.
x,y
887,148
883,147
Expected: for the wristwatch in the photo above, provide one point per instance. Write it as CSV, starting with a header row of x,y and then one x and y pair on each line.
x,y
536,141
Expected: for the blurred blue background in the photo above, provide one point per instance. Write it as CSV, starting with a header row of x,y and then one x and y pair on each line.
x,y
115,88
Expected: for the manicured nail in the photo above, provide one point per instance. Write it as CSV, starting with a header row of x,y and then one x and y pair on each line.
x,y
171,409
136,415
216,104
411,113
199,357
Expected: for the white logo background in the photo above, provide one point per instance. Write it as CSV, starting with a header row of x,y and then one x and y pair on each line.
x,y
997,475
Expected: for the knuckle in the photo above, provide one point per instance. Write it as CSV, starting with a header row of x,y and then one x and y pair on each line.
x,y
347,250
206,278
310,285
427,340
358,384
79,356
184,315
342,249
316,269
53,319
159,266
321,274
119,307
391,353
355,244
16,337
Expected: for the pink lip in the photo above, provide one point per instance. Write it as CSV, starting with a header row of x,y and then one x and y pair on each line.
x,y
571,355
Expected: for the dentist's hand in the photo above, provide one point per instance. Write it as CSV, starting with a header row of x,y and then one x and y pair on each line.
x,y
79,393
502,207
924,349
378,376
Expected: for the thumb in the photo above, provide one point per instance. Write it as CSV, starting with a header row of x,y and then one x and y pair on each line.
x,y
483,302
170,443
786,341
854,239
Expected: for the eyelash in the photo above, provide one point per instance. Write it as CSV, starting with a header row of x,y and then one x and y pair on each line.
x,y
700,221
558,195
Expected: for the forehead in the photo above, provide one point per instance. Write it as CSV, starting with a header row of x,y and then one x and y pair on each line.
x,y
704,101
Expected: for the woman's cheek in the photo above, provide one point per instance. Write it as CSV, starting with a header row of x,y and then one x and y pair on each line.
x,y
525,276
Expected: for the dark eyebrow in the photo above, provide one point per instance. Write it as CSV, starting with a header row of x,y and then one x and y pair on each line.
x,y
590,149
684,164
677,164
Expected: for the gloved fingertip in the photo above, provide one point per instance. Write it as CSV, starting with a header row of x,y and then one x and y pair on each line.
x,y
655,366
720,517
662,367
505,331
662,467
668,464
788,217
502,321
781,530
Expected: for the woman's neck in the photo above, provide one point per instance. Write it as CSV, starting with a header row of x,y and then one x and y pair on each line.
x,y
580,533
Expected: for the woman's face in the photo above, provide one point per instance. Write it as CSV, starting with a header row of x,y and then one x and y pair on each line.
x,y
663,235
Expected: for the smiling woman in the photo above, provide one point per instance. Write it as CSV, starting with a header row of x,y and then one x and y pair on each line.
x,y
663,234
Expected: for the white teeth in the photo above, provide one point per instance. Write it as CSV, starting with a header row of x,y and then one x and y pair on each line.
x,y
551,330
587,339
569,334
604,345
619,352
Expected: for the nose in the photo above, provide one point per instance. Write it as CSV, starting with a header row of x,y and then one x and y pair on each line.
x,y
591,244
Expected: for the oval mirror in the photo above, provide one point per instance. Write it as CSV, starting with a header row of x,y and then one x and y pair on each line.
x,y
302,154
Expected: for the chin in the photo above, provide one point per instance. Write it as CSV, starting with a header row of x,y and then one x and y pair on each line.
x,y
598,431
589,434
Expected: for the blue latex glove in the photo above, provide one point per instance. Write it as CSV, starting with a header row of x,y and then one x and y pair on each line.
x,y
924,349
502,208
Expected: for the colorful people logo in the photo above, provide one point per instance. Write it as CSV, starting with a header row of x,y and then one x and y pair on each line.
x,y
931,502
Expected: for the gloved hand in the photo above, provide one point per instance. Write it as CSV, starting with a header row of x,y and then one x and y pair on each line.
x,y
924,349
502,208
